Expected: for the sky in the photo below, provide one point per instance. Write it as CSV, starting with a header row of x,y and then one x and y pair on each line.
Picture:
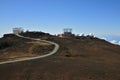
x,y
100,17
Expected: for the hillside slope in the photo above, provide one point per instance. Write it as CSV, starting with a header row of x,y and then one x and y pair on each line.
x,y
79,58
14,47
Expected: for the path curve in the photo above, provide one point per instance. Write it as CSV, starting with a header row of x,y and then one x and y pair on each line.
x,y
42,56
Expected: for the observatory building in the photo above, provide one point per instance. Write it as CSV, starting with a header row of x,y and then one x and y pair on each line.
x,y
17,30
67,33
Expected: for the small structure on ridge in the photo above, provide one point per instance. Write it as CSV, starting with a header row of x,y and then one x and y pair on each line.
x,y
67,33
17,30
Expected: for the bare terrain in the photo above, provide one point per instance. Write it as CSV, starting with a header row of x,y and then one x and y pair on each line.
x,y
79,58
13,47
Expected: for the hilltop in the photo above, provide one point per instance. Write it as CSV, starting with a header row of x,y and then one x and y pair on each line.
x,y
79,58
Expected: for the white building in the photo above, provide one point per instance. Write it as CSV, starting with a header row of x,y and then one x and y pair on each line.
x,y
81,34
17,30
91,35
67,33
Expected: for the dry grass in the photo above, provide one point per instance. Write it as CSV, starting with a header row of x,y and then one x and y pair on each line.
x,y
38,43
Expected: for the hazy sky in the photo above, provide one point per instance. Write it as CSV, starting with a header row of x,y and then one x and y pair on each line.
x,y
100,17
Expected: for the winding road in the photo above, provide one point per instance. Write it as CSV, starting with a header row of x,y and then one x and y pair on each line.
x,y
42,56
